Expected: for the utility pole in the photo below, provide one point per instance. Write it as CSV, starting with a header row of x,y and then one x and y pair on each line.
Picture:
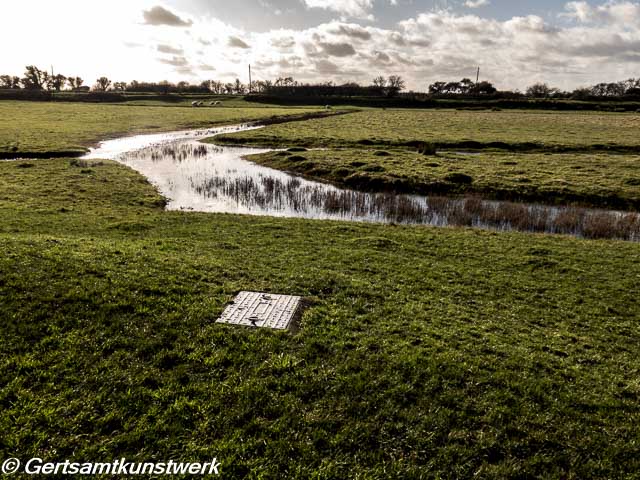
x,y
477,80
249,78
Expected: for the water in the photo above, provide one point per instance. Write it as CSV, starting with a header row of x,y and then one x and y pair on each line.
x,y
209,178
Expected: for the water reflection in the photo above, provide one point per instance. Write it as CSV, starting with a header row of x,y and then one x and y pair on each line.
x,y
209,178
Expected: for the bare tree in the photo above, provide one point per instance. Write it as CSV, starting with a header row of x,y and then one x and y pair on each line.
x,y
216,87
238,87
9,81
75,82
541,90
56,82
380,81
395,84
120,86
34,78
102,84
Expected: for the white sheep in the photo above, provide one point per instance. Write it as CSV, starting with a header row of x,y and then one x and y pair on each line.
x,y
217,103
195,103
328,107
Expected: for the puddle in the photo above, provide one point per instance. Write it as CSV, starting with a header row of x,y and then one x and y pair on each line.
x,y
209,178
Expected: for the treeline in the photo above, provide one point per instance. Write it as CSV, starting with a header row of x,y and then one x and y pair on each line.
x,y
625,88
35,79
467,88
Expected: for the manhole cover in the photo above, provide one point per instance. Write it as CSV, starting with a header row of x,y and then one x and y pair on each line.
x,y
256,309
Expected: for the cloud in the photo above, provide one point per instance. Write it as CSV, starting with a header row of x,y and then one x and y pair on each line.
x,y
175,61
283,43
161,16
348,8
236,42
326,67
593,41
349,30
380,58
169,49
612,12
337,49
431,46
186,70
476,3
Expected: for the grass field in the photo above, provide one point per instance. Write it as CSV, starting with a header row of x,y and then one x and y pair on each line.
x,y
451,128
40,127
589,179
426,353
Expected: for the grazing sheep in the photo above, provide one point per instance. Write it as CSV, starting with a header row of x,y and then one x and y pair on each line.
x,y
212,103
328,107
195,103
217,103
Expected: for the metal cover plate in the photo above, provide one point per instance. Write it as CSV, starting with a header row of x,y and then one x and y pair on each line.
x,y
257,309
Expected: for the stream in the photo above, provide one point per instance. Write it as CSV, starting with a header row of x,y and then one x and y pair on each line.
x,y
209,178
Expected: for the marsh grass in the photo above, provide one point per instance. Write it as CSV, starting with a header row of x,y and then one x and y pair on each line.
x,y
312,201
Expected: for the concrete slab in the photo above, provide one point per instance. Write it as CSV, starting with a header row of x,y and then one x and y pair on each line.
x,y
264,310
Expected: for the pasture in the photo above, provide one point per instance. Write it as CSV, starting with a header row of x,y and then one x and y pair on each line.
x,y
425,352
46,127
457,128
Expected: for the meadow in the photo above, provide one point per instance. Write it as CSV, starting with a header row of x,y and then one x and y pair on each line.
x,y
62,128
424,353
510,129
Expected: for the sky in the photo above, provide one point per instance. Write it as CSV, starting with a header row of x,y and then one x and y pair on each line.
x,y
515,43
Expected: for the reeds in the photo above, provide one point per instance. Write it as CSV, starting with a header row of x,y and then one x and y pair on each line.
x,y
324,201
177,151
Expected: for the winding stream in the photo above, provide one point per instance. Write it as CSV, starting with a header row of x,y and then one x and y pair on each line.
x,y
210,178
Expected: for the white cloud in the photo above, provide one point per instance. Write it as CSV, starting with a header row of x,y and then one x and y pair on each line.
x,y
600,43
623,13
476,3
347,8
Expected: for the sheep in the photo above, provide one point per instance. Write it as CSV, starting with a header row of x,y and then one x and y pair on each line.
x,y
217,103
195,103
328,107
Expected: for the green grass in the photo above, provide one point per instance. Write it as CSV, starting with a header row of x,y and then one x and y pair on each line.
x,y
426,353
451,128
588,179
43,127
